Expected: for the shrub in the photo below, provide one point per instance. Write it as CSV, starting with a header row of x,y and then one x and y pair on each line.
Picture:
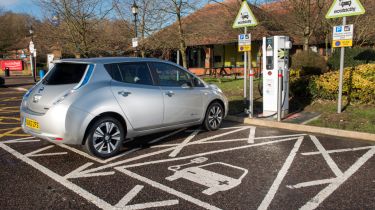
x,y
310,63
359,84
353,57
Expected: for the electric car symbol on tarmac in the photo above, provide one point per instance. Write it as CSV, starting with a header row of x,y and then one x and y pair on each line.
x,y
201,175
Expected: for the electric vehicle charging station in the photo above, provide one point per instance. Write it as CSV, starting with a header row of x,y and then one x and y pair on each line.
x,y
275,69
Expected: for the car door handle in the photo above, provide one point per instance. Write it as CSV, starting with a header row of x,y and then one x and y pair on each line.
x,y
124,93
169,93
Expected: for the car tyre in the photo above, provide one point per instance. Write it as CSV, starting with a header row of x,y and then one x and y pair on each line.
x,y
105,137
214,116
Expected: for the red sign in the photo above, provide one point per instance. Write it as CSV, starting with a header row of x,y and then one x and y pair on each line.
x,y
13,65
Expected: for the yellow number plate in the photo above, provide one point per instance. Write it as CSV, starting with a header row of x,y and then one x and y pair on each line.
x,y
32,124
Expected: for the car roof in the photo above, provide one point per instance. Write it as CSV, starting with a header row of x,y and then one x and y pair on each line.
x,y
105,60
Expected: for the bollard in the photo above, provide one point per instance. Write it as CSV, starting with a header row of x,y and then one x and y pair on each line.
x,y
279,94
7,72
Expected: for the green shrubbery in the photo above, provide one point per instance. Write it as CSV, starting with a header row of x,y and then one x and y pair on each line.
x,y
359,84
353,57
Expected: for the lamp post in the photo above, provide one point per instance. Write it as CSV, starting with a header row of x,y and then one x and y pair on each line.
x,y
135,40
32,53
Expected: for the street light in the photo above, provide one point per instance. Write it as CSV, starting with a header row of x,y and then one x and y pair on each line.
x,y
32,53
135,40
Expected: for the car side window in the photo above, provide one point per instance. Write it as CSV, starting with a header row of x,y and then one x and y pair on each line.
x,y
113,70
170,75
198,82
135,73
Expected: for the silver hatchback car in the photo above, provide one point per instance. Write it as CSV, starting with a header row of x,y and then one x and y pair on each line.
x,y
99,102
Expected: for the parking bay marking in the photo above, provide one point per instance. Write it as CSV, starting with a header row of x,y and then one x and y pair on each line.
x,y
84,173
77,189
232,140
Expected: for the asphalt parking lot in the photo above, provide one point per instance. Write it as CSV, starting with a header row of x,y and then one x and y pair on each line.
x,y
237,167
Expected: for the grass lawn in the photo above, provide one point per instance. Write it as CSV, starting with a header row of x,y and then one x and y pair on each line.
x,y
355,117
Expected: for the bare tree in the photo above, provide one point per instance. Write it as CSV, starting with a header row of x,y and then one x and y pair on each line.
x,y
80,18
303,16
179,9
150,19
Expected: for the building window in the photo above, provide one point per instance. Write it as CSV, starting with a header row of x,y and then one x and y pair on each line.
x,y
196,57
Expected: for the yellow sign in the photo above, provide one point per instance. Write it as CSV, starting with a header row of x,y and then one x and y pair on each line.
x,y
343,43
245,48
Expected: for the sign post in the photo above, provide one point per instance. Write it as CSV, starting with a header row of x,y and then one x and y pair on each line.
x,y
244,19
343,8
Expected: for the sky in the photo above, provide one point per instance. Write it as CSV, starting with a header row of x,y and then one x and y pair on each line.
x,y
22,6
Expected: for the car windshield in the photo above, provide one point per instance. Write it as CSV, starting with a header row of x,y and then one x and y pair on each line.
x,y
65,73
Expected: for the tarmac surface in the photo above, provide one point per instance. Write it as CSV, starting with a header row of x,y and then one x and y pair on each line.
x,y
237,167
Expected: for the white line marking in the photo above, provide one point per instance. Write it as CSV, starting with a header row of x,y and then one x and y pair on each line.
x,y
129,196
335,169
167,189
71,186
132,193
311,183
84,154
230,140
121,155
77,173
339,150
110,165
166,136
207,153
35,153
326,192
48,154
280,176
223,134
16,140
24,141
251,135
179,147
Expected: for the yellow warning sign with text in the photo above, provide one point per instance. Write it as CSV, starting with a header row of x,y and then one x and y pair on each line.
x,y
343,43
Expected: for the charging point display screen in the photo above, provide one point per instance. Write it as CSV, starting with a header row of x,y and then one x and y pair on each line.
x,y
269,53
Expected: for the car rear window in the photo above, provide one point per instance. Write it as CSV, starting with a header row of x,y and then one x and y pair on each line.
x,y
65,73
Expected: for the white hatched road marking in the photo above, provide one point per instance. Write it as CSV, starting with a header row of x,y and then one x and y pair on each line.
x,y
123,203
167,189
326,156
280,176
179,147
326,192
37,153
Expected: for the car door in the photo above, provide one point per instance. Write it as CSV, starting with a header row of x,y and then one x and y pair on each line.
x,y
140,100
182,101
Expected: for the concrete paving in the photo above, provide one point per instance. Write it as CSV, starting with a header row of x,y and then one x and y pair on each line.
x,y
237,167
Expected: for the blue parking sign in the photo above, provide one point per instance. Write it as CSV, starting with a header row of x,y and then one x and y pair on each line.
x,y
339,29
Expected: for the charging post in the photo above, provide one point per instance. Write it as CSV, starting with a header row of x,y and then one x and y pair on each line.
x,y
275,70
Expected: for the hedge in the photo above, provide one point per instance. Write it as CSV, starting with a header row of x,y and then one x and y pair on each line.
x,y
359,84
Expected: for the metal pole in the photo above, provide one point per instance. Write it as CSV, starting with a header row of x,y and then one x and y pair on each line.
x,y
244,74
32,64
178,57
279,93
251,96
136,33
339,106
